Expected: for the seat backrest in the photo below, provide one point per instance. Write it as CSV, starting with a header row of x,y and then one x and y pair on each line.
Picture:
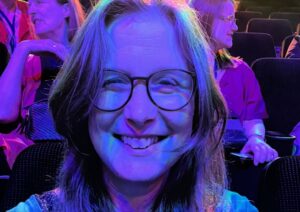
x,y
279,82
243,5
277,28
243,17
290,9
285,45
266,10
293,17
280,186
250,46
34,171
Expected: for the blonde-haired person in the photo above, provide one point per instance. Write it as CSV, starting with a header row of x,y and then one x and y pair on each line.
x,y
235,78
55,23
142,115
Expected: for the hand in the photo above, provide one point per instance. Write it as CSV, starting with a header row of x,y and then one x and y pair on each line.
x,y
261,151
44,45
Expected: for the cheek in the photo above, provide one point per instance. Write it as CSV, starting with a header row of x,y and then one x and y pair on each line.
x,y
218,32
104,121
180,122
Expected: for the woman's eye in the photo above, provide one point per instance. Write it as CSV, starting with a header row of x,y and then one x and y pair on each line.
x,y
114,83
167,82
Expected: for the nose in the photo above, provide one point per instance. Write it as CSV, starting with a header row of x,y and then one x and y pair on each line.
x,y
140,112
234,26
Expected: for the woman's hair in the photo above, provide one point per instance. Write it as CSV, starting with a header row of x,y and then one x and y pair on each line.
x,y
76,18
197,180
208,10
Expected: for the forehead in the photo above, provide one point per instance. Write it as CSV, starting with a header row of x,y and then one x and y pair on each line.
x,y
148,33
138,27
227,7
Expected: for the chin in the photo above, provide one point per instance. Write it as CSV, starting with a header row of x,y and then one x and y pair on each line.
x,y
140,171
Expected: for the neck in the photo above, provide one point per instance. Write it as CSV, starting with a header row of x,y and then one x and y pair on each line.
x,y
7,5
131,195
58,36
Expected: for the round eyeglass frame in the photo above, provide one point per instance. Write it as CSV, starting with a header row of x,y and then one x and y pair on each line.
x,y
147,79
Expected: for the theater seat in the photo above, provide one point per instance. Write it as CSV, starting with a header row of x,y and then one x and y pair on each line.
x,y
277,28
293,17
34,171
280,186
242,18
251,46
266,10
279,82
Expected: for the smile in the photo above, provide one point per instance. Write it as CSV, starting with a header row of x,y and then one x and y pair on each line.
x,y
139,142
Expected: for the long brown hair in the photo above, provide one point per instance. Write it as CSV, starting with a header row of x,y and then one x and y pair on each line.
x,y
198,178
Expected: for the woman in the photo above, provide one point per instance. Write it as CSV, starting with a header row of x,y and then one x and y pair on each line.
x,y
55,24
142,115
235,78
14,23
293,50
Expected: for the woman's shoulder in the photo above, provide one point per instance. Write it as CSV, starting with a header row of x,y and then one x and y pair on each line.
x,y
239,64
233,201
29,205
241,68
36,203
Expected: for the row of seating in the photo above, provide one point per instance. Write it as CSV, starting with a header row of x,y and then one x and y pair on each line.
x,y
273,187
276,6
254,45
243,17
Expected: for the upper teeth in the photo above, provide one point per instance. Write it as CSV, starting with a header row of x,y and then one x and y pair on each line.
x,y
139,143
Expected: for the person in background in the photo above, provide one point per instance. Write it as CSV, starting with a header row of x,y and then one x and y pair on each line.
x,y
15,24
293,50
142,115
55,23
235,78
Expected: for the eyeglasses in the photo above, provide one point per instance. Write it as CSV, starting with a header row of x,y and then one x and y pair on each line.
x,y
229,19
169,90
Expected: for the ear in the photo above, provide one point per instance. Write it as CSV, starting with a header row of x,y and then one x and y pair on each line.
x,y
66,10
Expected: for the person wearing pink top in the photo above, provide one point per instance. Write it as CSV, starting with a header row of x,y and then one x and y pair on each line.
x,y
55,23
15,25
242,93
235,78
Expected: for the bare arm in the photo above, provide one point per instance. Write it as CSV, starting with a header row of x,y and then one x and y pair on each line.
x,y
10,85
11,79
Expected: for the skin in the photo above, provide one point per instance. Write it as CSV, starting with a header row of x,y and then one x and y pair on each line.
x,y
134,176
222,31
53,38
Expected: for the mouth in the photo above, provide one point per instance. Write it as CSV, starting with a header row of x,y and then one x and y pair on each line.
x,y
139,142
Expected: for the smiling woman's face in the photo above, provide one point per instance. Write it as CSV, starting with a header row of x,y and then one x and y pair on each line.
x,y
139,141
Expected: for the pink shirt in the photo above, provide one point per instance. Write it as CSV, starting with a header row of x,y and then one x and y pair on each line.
x,y
242,92
24,29
15,142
